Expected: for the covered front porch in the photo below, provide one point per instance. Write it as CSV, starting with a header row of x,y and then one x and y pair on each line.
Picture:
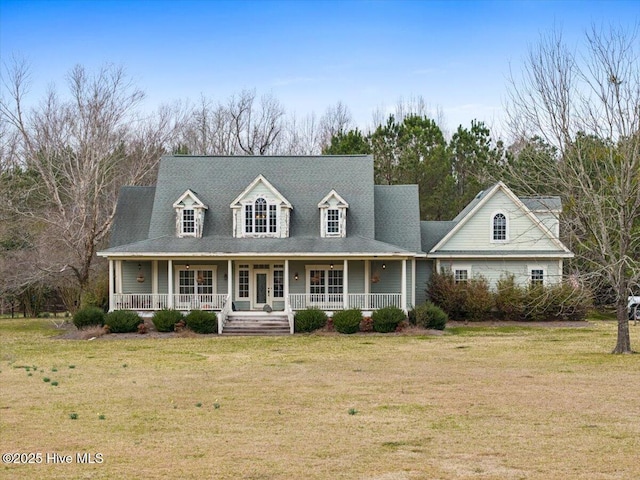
x,y
261,284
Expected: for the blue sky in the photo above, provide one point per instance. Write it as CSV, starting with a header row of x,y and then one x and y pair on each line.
x,y
308,54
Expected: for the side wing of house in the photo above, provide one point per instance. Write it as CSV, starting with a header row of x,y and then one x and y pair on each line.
x,y
498,234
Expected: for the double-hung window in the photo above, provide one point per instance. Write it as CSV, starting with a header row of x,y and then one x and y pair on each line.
x,y
188,221
537,277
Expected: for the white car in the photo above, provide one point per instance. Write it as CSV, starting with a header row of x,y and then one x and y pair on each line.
x,y
633,306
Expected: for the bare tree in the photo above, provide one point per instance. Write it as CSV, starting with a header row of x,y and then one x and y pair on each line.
x,y
302,137
336,120
587,107
256,128
76,154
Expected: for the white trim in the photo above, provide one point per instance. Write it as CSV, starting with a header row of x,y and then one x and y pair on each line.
x,y
154,276
230,278
170,283
119,276
111,285
237,202
500,255
325,201
403,286
345,283
413,282
251,256
367,277
197,202
286,285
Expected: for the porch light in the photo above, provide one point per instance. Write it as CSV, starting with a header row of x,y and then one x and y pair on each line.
x,y
187,266
384,265
331,266
295,276
140,277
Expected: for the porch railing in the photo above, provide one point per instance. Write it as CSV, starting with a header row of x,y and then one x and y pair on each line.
x,y
223,315
331,301
374,301
140,301
212,301
158,301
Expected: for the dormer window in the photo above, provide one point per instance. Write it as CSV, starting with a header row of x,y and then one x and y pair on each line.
x,y
499,228
260,217
333,221
261,211
333,216
188,221
189,215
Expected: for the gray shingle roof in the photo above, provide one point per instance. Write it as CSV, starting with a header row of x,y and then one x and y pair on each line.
x,y
133,213
381,219
537,204
433,232
303,181
397,212
226,245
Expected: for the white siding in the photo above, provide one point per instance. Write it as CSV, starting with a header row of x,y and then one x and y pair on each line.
x,y
523,232
492,270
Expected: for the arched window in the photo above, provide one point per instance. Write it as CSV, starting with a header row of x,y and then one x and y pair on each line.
x,y
499,227
260,217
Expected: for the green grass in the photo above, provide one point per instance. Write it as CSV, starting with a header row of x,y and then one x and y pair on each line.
x,y
477,402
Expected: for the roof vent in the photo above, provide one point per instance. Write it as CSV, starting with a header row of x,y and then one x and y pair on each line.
x,y
479,194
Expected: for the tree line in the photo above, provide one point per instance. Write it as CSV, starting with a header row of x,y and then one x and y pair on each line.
x,y
574,126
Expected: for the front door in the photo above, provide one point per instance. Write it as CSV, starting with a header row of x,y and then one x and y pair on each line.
x,y
261,290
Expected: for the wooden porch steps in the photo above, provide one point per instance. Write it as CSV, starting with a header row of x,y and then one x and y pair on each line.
x,y
257,325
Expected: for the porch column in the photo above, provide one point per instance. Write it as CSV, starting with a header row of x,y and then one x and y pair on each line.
x,y
286,285
413,282
403,291
154,277
345,284
230,279
367,283
119,276
170,283
111,285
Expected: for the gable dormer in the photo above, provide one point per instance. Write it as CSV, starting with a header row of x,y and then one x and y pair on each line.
x,y
333,216
189,215
261,211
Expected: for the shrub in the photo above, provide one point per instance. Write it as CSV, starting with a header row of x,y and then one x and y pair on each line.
x,y
429,315
411,316
88,317
509,299
202,322
165,320
347,321
447,294
470,300
556,302
123,321
309,320
387,319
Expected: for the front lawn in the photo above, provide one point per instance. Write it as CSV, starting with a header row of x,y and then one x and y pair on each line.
x,y
476,402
